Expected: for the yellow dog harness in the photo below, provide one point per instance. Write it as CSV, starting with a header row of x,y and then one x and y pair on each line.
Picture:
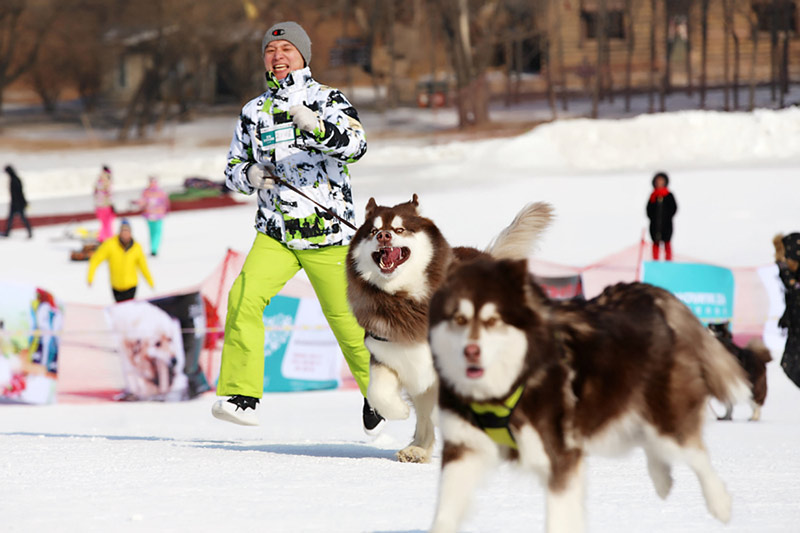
x,y
493,417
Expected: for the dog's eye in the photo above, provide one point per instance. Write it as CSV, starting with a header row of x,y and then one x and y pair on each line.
x,y
373,232
490,322
460,320
399,230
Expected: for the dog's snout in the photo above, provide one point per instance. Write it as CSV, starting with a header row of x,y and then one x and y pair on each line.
x,y
384,237
472,352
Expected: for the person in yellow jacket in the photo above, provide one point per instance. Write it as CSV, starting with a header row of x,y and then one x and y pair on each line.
x,y
124,255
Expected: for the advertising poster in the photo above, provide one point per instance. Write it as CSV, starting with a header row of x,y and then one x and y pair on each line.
x,y
706,289
190,312
300,351
151,350
31,321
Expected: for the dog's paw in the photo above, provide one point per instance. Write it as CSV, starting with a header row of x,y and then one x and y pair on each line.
x,y
413,454
719,505
663,485
661,475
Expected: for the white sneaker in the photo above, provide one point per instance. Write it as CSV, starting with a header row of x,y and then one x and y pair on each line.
x,y
372,420
237,409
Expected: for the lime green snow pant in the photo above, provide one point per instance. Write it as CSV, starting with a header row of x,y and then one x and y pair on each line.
x,y
269,265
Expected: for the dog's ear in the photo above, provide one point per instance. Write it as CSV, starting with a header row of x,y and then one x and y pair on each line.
x,y
414,200
371,205
515,270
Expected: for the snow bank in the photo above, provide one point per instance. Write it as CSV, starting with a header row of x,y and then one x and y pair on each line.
x,y
685,139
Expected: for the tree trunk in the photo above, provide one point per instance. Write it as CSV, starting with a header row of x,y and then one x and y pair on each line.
x,y
726,22
735,37
773,51
551,93
651,94
703,52
751,104
600,29
561,69
392,96
689,78
629,52
508,50
665,79
784,68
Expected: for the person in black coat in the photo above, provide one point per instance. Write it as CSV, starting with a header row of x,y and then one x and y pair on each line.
x,y
787,257
18,202
660,209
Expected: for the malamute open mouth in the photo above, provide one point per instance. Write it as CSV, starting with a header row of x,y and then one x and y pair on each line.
x,y
389,258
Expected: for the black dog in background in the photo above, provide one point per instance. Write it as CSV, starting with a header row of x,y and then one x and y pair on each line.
x,y
753,358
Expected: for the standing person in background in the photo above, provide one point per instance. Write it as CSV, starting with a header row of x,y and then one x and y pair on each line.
x,y
154,204
661,207
124,257
304,134
103,207
787,257
18,202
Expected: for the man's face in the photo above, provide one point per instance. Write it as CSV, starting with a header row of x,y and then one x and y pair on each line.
x,y
125,235
661,182
281,57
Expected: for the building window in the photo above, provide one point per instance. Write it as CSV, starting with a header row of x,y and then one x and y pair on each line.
x,y
782,12
615,24
526,55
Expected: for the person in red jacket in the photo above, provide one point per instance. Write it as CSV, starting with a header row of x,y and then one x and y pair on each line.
x,y
661,207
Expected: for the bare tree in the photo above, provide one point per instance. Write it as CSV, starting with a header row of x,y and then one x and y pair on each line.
x,y
22,25
653,68
746,12
630,46
601,34
665,78
689,4
736,57
727,16
703,52
468,28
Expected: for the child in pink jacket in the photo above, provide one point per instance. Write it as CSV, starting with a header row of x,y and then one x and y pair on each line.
x,y
154,204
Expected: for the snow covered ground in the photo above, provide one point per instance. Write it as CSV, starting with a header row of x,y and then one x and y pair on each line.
x,y
99,466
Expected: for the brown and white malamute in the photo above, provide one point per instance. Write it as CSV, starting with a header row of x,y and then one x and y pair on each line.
x,y
542,383
396,260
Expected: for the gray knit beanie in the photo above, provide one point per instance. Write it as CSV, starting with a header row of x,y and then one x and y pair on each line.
x,y
292,32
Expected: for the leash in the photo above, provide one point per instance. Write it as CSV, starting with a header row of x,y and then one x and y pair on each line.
x,y
291,187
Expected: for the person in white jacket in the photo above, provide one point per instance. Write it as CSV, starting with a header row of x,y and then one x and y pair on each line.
x,y
292,146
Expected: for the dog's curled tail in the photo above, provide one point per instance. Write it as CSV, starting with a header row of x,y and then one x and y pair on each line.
x,y
760,350
723,374
519,238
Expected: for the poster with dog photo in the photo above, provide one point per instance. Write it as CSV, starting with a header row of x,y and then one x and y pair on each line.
x,y
30,326
190,311
151,350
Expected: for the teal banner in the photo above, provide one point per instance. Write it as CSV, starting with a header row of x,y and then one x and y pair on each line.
x,y
707,290
300,351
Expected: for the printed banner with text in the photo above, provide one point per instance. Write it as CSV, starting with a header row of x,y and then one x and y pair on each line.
x,y
706,289
300,351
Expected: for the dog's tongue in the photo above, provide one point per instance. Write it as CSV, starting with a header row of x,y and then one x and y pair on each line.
x,y
390,255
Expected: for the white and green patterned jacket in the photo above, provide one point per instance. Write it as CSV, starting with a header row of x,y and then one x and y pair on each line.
x,y
314,163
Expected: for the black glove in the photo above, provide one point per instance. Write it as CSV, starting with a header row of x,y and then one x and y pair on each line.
x,y
783,322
